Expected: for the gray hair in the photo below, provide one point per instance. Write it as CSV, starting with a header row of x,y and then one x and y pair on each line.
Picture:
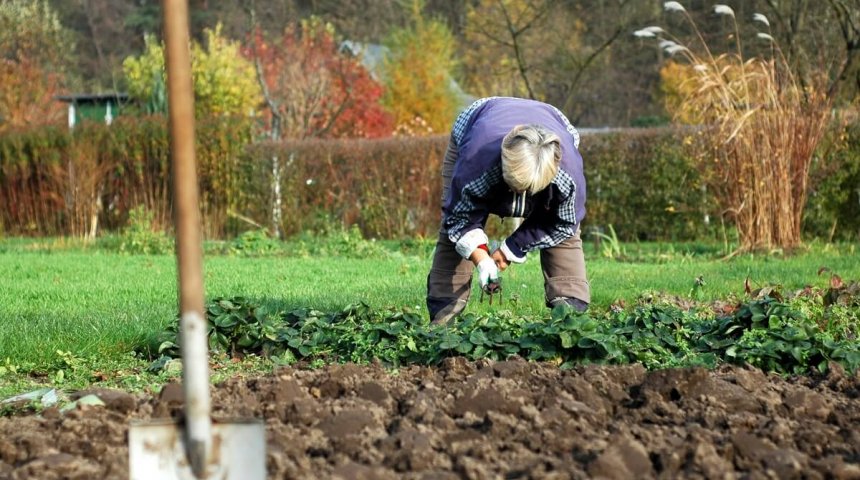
x,y
530,158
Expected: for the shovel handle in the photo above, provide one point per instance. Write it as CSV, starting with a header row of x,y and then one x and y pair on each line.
x,y
195,385
189,250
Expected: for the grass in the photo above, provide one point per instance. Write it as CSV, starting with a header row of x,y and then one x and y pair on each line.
x,y
97,306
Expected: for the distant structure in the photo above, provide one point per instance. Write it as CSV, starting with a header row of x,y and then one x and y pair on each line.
x,y
94,106
371,55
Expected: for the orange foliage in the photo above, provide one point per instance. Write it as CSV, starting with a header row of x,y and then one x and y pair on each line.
x,y
316,90
27,96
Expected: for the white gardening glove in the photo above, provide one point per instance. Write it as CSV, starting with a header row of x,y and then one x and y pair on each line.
x,y
488,272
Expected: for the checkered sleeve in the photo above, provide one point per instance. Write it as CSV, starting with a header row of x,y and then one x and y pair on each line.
x,y
465,217
544,231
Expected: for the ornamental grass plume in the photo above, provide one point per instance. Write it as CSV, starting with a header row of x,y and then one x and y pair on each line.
x,y
760,128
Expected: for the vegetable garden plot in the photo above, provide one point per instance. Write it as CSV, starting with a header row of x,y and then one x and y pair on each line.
x,y
485,419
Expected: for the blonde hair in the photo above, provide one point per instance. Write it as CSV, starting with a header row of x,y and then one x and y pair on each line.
x,y
530,158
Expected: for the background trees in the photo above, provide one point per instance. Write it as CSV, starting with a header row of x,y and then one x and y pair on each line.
x,y
224,83
34,51
418,74
580,56
371,68
314,89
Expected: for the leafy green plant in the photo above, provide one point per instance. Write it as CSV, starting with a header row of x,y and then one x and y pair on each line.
x,y
7,367
236,326
66,364
340,242
765,332
141,237
610,246
254,243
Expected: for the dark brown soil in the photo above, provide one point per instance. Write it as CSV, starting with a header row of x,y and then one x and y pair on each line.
x,y
487,420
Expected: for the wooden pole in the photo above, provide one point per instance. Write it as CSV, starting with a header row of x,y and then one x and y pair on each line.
x,y
189,251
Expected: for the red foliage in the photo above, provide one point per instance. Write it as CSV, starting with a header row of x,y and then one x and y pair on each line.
x,y
27,95
316,90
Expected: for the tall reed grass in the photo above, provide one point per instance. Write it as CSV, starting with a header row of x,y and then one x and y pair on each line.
x,y
760,126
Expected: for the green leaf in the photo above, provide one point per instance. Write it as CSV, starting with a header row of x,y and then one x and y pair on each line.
x,y
774,322
567,339
226,321
480,351
166,346
478,337
529,343
559,312
450,341
218,342
464,347
245,341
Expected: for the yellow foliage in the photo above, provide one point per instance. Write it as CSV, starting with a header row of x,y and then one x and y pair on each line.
x,y
225,82
143,72
418,74
677,84
761,127
714,90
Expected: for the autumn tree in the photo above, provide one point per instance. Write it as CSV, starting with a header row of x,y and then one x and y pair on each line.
x,y
558,51
418,73
32,30
224,81
820,35
27,96
33,49
312,88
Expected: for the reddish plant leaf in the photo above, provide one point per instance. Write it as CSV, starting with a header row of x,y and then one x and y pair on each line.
x,y
835,281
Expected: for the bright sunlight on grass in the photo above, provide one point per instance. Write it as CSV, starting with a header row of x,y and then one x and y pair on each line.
x,y
98,303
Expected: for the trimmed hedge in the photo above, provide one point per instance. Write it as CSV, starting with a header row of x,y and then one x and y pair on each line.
x,y
638,181
54,181
833,207
389,188
641,182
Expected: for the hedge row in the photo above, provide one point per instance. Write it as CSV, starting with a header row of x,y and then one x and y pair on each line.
x,y
54,181
390,188
640,182
833,207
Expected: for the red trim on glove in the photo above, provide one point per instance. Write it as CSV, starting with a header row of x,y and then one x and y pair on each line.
x,y
484,247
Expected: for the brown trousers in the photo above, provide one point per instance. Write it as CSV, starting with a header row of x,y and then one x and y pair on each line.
x,y
449,282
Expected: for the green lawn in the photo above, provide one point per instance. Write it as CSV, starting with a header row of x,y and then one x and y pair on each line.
x,y
98,303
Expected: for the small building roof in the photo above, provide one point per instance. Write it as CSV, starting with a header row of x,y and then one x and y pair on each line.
x,y
79,98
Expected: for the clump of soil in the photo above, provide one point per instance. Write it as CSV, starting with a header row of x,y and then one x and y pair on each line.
x,y
486,420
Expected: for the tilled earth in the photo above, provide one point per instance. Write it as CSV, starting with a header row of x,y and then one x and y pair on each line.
x,y
487,420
